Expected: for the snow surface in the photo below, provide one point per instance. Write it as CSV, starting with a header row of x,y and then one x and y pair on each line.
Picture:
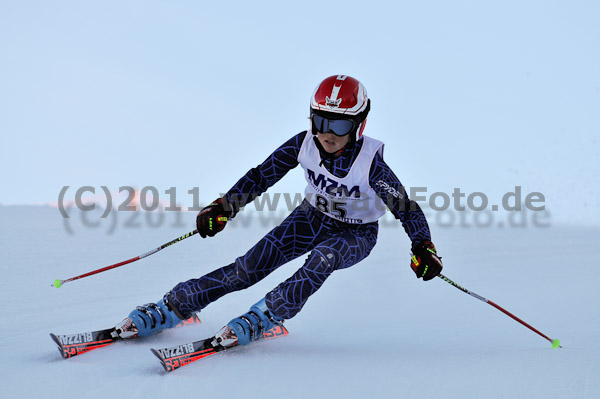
x,y
372,331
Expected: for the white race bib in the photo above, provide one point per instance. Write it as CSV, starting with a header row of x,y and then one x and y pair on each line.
x,y
349,199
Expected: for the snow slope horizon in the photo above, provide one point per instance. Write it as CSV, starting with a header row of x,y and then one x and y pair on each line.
x,y
371,330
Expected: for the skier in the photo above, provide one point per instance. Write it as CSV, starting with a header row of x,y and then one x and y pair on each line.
x,y
349,187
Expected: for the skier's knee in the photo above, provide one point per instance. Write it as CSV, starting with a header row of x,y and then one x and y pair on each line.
x,y
239,277
244,271
324,260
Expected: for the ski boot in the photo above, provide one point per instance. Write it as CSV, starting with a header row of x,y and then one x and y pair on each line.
x,y
249,327
148,320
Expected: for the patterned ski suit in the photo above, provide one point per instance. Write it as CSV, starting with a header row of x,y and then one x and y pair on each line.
x,y
331,243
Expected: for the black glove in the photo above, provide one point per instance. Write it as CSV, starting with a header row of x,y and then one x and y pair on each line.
x,y
212,219
425,262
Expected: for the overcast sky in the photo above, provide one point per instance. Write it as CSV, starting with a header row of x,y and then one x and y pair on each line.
x,y
484,96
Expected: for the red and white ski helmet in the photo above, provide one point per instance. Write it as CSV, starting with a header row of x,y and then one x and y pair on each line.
x,y
341,97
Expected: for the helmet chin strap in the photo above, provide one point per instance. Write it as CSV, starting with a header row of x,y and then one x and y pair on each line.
x,y
329,155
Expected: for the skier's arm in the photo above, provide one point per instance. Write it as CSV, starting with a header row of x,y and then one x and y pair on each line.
x,y
390,190
257,180
425,262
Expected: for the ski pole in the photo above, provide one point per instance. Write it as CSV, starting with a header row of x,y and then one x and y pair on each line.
x,y
555,342
58,283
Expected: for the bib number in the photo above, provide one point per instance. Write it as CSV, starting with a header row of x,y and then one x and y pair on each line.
x,y
334,207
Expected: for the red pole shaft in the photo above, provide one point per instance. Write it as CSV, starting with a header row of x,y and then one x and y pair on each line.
x,y
500,308
102,269
506,312
59,283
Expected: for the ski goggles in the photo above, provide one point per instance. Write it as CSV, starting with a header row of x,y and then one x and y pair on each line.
x,y
339,127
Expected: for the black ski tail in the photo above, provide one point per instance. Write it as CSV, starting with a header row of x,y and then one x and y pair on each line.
x,y
178,356
175,357
76,344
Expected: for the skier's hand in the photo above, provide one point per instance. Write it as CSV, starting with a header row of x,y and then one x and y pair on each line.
x,y
212,219
425,262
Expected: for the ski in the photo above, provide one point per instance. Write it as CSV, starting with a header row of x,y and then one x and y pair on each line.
x,y
76,344
178,356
